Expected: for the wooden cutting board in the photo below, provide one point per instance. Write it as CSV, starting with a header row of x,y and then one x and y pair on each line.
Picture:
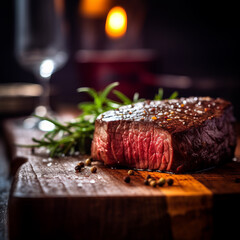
x,y
49,200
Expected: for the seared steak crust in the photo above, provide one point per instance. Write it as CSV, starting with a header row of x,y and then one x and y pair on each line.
x,y
177,136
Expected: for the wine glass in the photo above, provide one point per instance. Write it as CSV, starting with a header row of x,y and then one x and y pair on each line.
x,y
40,47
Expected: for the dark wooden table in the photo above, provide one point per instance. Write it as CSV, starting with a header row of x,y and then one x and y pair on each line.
x,y
49,200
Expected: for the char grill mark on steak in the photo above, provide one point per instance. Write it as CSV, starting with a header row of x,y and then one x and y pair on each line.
x,y
174,135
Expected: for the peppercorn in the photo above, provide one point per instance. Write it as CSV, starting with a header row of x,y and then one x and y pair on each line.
x,y
127,179
145,182
148,176
78,168
150,179
88,162
153,183
81,164
93,169
130,172
161,181
170,181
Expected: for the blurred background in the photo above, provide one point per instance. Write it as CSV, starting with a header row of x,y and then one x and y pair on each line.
x,y
191,47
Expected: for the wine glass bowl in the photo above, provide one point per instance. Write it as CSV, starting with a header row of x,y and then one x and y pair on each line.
x,y
40,46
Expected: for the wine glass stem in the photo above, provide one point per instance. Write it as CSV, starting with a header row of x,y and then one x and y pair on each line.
x,y
44,106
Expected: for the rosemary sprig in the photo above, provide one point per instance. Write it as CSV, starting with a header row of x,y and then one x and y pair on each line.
x,y
75,137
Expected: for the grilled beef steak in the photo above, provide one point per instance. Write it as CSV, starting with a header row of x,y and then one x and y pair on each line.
x,y
183,135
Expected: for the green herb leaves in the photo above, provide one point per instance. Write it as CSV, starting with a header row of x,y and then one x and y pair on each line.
x,y
159,95
101,103
174,95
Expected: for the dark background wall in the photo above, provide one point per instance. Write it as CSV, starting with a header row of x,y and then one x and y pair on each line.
x,y
199,39
195,37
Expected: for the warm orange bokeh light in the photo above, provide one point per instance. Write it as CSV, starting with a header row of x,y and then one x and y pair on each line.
x,y
116,23
94,8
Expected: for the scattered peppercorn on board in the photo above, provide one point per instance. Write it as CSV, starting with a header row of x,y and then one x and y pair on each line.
x,y
51,200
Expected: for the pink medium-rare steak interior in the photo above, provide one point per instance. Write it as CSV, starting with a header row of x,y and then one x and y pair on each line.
x,y
133,145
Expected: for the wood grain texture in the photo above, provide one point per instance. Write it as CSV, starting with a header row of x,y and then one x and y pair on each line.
x,y
50,200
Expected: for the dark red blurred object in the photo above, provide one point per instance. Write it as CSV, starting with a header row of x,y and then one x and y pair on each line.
x,y
97,69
